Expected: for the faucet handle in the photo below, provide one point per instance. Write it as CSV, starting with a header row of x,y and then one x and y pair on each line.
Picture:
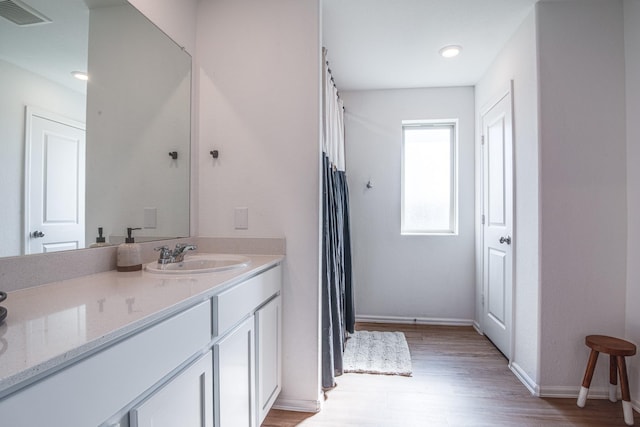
x,y
165,254
180,250
185,247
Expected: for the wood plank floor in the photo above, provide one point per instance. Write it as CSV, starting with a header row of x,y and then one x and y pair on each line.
x,y
459,379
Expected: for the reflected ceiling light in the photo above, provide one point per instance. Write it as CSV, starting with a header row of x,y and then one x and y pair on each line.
x,y
450,51
80,75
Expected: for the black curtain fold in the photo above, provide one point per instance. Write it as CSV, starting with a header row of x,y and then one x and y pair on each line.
x,y
338,314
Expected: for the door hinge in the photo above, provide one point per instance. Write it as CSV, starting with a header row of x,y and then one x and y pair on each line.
x,y
483,219
482,140
482,300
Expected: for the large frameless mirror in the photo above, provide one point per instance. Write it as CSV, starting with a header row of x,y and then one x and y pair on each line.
x,y
109,152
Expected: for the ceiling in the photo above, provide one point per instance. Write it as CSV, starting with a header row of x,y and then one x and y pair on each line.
x,y
372,44
390,44
56,48
53,49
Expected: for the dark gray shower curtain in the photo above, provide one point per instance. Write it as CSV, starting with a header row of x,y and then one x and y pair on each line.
x,y
338,314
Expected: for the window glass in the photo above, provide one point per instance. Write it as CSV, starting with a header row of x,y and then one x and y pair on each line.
x,y
428,178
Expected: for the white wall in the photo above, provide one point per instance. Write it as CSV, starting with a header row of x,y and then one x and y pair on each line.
x,y
517,61
632,59
259,82
175,17
396,277
20,88
582,185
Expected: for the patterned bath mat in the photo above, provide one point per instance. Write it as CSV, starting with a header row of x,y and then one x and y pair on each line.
x,y
375,352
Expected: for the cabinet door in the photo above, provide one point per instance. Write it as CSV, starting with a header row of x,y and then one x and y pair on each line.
x,y
234,378
185,401
269,359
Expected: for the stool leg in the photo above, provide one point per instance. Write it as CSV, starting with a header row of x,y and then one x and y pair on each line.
x,y
613,379
588,375
626,396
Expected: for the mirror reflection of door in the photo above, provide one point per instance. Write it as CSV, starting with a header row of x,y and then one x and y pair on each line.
x,y
54,183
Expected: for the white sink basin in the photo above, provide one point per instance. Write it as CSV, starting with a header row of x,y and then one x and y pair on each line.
x,y
201,263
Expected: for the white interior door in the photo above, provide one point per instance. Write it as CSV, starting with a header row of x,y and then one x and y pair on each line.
x,y
54,183
497,153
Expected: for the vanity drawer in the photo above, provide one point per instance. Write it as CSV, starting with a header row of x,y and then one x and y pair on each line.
x,y
232,305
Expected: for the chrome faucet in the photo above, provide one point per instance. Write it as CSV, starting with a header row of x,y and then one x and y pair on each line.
x,y
180,250
168,256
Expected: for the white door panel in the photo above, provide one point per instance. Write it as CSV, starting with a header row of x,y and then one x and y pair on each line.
x,y
496,168
497,246
496,304
55,183
58,246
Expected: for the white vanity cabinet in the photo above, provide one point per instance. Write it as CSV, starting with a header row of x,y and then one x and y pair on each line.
x,y
90,391
185,400
247,352
213,363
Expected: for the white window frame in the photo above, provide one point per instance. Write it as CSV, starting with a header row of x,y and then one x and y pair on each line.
x,y
452,124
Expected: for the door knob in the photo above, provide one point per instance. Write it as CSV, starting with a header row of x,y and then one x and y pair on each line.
x,y
506,240
37,234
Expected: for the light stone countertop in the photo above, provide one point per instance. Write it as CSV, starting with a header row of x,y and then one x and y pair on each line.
x,y
51,326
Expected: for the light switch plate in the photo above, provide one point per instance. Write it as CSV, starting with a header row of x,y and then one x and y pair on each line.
x,y
241,218
150,218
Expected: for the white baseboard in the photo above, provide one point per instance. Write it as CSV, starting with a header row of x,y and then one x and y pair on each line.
x,y
476,326
414,320
525,379
298,405
572,393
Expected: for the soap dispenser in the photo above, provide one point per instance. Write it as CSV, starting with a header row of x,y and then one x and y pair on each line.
x,y
129,257
100,240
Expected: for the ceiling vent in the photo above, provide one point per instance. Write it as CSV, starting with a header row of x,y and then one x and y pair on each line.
x,y
21,14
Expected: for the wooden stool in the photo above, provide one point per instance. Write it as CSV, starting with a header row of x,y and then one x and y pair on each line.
x,y
617,349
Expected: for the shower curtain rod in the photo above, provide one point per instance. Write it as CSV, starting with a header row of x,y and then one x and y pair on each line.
x,y
333,82
324,54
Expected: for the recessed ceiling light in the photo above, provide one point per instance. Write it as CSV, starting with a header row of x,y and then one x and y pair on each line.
x,y
80,75
450,51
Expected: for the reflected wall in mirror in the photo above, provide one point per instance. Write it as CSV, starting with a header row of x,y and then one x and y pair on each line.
x,y
135,108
